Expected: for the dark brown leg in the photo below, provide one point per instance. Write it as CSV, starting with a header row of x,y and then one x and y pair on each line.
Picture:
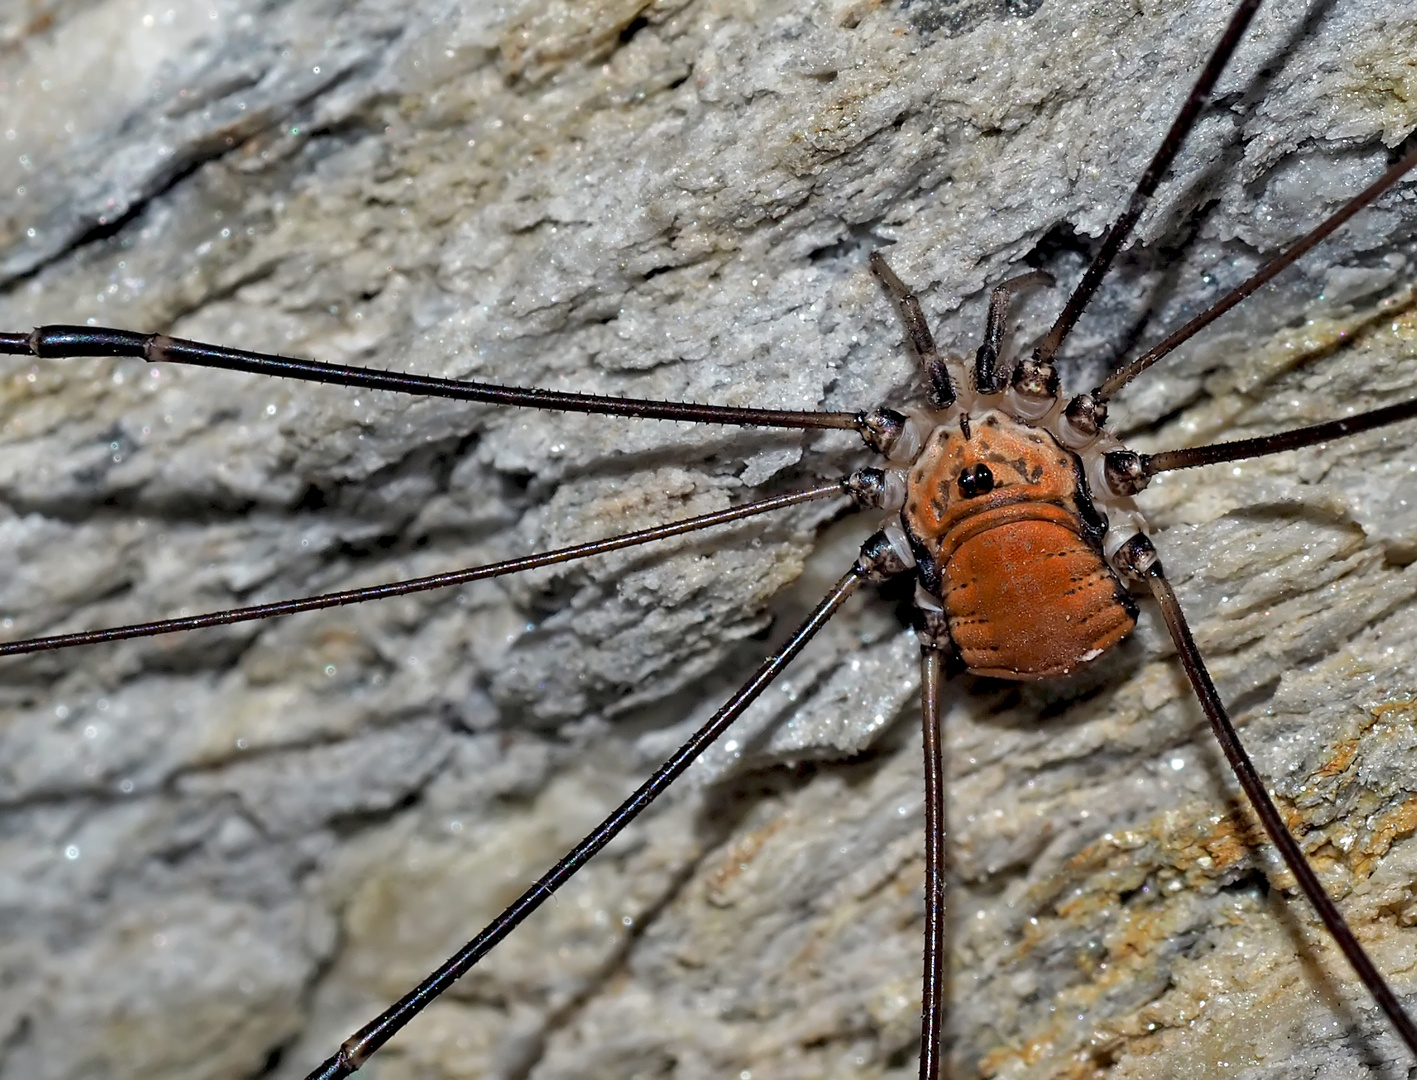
x,y
1141,560
860,485
53,342
877,562
1146,187
357,1048
1295,251
939,389
935,992
1129,472
988,379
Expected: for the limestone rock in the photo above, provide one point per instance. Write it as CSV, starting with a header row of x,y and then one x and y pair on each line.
x,y
223,852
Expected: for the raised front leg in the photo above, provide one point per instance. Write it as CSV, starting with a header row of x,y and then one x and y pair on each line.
x,y
939,389
988,379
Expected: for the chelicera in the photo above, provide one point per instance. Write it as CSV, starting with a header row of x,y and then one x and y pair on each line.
x,y
1009,503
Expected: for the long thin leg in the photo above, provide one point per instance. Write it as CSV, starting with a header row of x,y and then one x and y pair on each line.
x,y
357,1048
939,389
1285,259
434,581
1142,560
52,342
935,992
1128,472
1146,187
877,561
1285,440
988,379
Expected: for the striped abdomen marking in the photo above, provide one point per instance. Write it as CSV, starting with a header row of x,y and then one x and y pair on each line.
x,y
1030,599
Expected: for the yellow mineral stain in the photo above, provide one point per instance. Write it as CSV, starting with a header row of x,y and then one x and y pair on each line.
x,y
1404,707
1384,84
739,857
1343,756
1397,822
539,44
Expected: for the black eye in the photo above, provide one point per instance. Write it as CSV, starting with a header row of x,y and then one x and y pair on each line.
x,y
976,480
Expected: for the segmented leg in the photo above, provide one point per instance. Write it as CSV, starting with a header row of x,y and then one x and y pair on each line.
x,y
988,379
878,561
939,388
860,485
54,342
1142,561
1271,269
1128,472
934,997
1150,180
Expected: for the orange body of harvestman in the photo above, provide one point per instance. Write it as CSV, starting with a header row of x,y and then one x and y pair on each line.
x,y
1017,560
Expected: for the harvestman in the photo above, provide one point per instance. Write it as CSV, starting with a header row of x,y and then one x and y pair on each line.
x,y
1010,505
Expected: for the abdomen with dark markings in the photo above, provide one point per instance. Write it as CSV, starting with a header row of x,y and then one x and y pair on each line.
x,y
1007,540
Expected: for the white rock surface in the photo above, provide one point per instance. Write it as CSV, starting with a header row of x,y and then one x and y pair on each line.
x,y
222,853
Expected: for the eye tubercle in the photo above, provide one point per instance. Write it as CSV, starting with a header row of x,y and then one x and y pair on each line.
x,y
976,480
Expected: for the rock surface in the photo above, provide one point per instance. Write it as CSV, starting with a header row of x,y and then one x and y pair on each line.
x,y
221,853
